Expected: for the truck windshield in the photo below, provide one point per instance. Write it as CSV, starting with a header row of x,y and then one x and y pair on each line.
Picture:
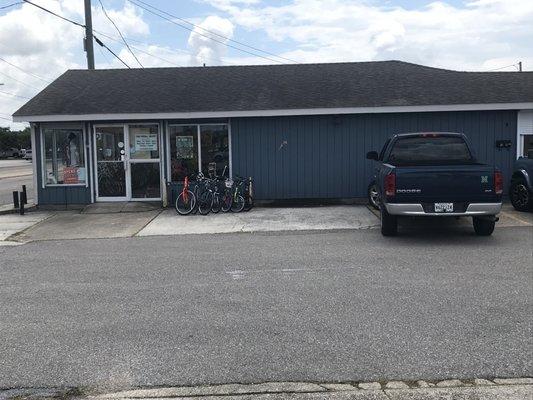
x,y
417,150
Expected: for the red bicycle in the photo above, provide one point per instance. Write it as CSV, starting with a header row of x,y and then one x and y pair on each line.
x,y
186,200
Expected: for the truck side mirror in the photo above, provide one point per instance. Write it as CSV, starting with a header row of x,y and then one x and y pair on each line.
x,y
372,155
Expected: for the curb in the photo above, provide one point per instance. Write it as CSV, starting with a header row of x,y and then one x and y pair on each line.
x,y
419,389
8,209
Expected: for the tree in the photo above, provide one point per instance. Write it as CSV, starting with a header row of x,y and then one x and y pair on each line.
x,y
17,139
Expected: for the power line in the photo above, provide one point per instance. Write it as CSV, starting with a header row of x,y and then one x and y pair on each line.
x,y
111,51
14,95
78,24
201,34
507,66
26,72
11,5
141,50
18,80
53,13
215,33
7,119
120,33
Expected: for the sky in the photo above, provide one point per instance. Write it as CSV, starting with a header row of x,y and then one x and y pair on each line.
x,y
471,35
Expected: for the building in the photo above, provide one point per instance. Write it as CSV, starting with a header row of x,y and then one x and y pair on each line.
x,y
301,131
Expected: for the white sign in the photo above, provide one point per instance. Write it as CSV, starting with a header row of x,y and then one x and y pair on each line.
x,y
146,142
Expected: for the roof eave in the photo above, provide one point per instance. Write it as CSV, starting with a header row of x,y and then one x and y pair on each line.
x,y
272,113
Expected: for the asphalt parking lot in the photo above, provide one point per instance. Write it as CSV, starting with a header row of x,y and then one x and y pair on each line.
x,y
252,307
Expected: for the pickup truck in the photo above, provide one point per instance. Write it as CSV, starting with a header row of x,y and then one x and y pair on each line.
x,y
521,190
435,174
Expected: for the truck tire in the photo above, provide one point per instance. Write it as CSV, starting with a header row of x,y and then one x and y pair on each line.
x,y
373,195
521,198
389,223
483,226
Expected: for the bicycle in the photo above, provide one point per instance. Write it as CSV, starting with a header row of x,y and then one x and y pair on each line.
x,y
237,200
186,200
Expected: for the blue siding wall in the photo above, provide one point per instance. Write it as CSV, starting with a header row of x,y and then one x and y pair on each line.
x,y
58,195
325,156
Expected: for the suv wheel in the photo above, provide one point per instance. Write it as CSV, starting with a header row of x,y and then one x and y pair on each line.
x,y
483,226
520,197
373,195
389,223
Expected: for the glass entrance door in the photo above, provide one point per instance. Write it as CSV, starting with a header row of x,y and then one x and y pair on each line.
x,y
111,163
144,159
128,162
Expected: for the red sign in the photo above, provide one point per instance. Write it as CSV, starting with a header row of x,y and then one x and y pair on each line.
x,y
70,175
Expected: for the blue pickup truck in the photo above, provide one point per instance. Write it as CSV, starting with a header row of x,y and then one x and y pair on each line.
x,y
435,174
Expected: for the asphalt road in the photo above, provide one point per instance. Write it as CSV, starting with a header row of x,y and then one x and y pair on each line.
x,y
14,174
337,306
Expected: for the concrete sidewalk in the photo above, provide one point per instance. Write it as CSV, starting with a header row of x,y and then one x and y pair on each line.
x,y
263,220
453,389
114,220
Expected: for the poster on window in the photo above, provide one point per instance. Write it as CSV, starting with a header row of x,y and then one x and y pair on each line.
x,y
185,147
70,175
146,142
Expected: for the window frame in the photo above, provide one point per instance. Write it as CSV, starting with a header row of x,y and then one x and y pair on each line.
x,y
81,127
198,138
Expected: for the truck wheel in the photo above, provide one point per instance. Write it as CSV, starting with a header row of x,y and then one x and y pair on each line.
x,y
373,195
520,197
483,226
389,223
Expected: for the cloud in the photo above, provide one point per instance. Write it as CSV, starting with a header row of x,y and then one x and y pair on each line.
x,y
475,35
204,49
42,44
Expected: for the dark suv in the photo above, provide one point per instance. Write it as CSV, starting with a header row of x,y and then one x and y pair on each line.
x,y
521,190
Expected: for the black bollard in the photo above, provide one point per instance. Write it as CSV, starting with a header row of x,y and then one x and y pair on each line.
x,y
24,197
21,209
15,200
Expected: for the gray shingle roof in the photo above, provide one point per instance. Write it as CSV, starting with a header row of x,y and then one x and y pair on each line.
x,y
273,87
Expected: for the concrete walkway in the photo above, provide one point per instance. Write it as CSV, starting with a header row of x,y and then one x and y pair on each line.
x,y
11,224
115,220
263,220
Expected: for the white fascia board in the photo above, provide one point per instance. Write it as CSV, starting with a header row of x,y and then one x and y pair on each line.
x,y
272,113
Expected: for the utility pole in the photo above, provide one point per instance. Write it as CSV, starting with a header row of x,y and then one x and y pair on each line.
x,y
88,43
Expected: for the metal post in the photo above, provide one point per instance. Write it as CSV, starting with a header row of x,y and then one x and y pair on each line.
x,y
89,35
24,197
15,199
21,209
520,66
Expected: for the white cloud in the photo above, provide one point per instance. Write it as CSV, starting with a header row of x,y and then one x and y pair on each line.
x,y
44,45
204,49
478,35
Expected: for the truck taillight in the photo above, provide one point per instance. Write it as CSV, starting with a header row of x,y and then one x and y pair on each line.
x,y
390,185
498,182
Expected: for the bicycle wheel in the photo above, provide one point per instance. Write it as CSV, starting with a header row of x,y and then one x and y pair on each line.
x,y
185,203
217,203
205,202
227,199
238,204
249,204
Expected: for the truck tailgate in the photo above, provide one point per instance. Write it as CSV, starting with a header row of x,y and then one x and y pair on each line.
x,y
448,183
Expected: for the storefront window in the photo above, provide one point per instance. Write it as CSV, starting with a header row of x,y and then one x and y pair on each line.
x,y
64,157
215,150
185,154
183,151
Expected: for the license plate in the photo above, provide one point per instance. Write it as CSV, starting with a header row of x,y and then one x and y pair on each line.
x,y
443,207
